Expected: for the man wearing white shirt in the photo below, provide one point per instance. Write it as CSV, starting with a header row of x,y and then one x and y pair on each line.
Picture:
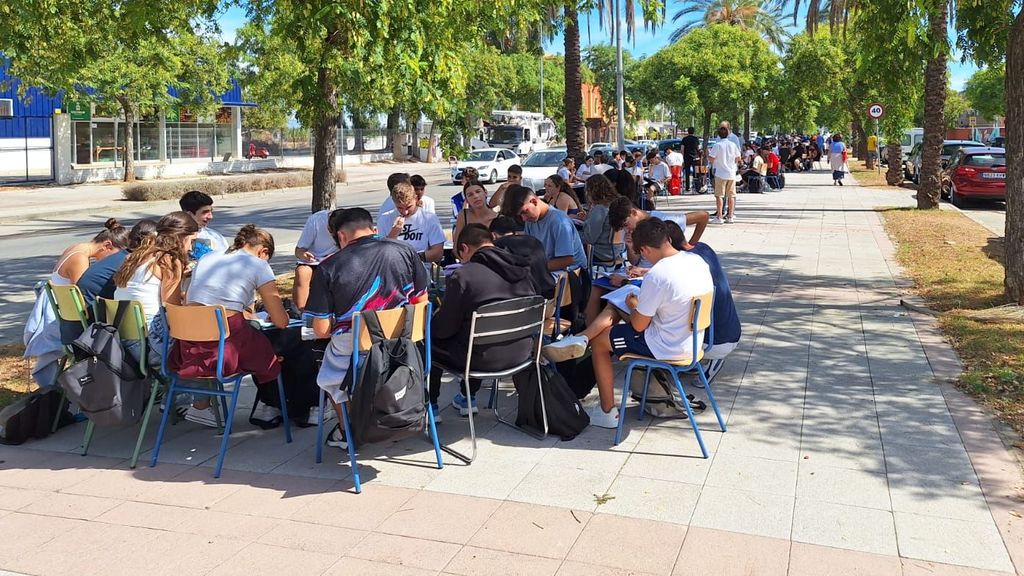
x,y
724,156
200,207
419,185
413,225
674,157
658,170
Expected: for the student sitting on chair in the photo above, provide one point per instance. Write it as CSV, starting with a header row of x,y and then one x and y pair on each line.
x,y
200,207
411,224
607,246
657,320
488,274
623,215
315,244
554,229
508,234
232,279
419,185
474,210
515,178
390,274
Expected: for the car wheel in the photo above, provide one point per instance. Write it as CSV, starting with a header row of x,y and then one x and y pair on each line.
x,y
956,199
494,177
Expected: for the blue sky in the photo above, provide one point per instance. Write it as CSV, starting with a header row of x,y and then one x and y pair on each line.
x,y
646,42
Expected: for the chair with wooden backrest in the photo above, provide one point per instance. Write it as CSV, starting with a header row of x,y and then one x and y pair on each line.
x,y
392,323
206,324
133,328
700,319
69,304
554,324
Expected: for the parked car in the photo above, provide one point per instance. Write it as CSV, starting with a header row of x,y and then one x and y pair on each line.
x,y
997,142
975,173
665,145
912,167
596,145
541,164
491,163
650,144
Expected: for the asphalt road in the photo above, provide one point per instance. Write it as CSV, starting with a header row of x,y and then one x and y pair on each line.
x,y
29,251
991,215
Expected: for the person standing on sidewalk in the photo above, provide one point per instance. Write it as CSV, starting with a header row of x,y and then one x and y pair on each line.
x,y
725,156
691,154
837,158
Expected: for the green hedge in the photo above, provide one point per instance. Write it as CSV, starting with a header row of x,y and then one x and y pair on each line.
x,y
219,185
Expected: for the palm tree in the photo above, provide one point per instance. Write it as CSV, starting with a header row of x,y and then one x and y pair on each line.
x,y
573,98
761,16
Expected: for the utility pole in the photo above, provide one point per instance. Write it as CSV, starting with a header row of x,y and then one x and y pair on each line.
x,y
619,97
541,27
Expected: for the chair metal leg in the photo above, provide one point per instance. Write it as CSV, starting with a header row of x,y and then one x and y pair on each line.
x,y
643,396
284,410
320,431
90,427
689,412
351,449
432,431
168,402
622,406
711,396
145,424
227,427
61,366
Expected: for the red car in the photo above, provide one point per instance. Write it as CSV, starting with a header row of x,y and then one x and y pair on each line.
x,y
975,174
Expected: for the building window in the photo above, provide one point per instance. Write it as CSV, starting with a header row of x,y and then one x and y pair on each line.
x,y
6,107
198,138
103,140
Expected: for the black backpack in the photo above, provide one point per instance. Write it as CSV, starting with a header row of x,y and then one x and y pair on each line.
x,y
32,416
106,383
387,402
566,416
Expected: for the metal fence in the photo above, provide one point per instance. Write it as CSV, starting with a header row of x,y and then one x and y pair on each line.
x,y
285,142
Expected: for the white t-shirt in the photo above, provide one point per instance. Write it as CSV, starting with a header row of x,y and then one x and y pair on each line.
x,y
665,296
725,153
564,173
583,172
389,204
213,238
674,158
601,168
660,171
316,237
229,280
677,217
422,230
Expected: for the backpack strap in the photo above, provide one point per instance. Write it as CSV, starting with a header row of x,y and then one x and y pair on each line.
x,y
372,323
410,313
122,309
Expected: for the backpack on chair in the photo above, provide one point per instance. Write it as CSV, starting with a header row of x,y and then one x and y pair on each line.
x,y
106,383
387,402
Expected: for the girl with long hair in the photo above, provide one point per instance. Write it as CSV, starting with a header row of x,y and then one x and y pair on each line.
x,y
474,210
75,260
559,194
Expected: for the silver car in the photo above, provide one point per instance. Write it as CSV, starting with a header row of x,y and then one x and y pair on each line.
x,y
912,167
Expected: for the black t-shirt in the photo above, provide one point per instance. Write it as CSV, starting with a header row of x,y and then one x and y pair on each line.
x,y
533,250
691,147
372,273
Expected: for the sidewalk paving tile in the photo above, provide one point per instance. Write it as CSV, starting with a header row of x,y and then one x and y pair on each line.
x,y
576,488
660,500
415,552
708,552
755,513
813,560
348,566
842,486
439,516
472,561
753,474
946,540
259,558
570,568
847,527
531,529
629,544
359,511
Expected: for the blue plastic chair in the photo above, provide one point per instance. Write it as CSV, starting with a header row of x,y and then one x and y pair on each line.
x,y
206,324
392,322
700,319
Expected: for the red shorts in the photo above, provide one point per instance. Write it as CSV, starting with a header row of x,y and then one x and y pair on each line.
x,y
246,350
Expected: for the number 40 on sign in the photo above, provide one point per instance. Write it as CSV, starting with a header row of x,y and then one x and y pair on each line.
x,y
876,111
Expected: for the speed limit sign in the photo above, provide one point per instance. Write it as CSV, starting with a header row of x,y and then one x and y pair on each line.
x,y
876,111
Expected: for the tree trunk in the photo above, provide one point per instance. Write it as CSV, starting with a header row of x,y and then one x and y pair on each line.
x,y
573,99
394,116
894,175
129,139
934,112
707,129
1014,239
326,146
861,147
746,124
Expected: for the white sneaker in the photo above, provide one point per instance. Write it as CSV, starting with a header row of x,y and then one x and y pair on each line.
x,y
716,220
205,416
567,348
329,415
602,419
336,439
730,219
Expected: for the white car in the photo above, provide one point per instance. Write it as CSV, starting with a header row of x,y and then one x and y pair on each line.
x,y
541,164
597,145
491,163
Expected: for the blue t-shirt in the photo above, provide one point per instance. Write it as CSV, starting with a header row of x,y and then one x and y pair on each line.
x,y
726,321
97,280
838,147
559,237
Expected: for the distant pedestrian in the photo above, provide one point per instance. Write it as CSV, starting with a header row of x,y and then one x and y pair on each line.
x,y
837,158
725,156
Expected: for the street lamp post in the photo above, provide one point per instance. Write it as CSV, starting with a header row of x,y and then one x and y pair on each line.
x,y
619,97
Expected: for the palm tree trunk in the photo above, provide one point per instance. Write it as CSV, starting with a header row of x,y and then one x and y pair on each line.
x,y
894,175
1014,241
573,99
934,112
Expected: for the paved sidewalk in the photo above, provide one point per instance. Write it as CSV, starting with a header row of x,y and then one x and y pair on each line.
x,y
19,204
847,453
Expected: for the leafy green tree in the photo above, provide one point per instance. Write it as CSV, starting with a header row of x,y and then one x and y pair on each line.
x,y
600,59
116,52
986,91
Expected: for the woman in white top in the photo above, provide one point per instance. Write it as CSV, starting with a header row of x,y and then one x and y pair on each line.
x,y
232,280
474,211
75,260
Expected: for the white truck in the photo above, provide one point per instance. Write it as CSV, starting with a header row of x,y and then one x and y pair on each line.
x,y
521,132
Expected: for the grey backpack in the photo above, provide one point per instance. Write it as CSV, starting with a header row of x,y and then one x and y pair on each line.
x,y
105,383
663,399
